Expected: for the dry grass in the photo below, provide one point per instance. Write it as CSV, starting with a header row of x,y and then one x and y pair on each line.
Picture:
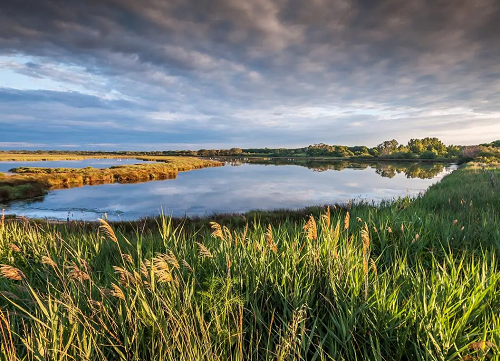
x,y
31,182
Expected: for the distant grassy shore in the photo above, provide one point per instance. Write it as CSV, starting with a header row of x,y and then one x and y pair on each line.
x,y
22,157
353,159
412,279
29,182
35,157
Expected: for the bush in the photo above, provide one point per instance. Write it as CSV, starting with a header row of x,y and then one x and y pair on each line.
x,y
403,155
428,155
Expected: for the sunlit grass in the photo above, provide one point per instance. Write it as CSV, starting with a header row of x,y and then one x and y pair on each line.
x,y
33,157
413,279
28,182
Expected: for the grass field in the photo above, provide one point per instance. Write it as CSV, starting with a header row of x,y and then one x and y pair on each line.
x,y
29,182
414,279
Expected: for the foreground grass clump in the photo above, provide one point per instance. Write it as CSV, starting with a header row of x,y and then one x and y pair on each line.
x,y
28,182
409,280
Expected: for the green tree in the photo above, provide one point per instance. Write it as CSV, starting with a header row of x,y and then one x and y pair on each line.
x,y
387,147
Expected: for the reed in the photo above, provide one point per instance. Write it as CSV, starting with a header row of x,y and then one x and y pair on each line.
x,y
29,182
294,287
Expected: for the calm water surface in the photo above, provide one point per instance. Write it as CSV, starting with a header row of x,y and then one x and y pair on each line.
x,y
231,189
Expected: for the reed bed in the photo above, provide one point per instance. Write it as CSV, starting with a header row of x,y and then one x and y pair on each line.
x,y
412,279
33,157
28,182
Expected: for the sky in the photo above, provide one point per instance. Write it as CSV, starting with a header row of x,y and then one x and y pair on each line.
x,y
192,74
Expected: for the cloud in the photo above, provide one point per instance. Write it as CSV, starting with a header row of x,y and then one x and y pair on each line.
x,y
258,73
24,145
71,99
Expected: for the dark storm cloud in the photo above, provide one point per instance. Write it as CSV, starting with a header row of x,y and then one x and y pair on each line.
x,y
233,66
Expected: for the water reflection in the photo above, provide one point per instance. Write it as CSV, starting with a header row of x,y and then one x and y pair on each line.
x,y
237,188
385,169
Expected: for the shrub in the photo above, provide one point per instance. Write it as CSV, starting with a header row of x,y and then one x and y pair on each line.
x,y
428,155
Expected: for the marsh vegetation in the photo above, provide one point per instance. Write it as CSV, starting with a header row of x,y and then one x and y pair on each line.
x,y
411,279
29,182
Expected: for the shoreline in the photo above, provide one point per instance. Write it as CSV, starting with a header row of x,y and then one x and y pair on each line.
x,y
337,159
347,271
197,218
30,182
274,216
23,157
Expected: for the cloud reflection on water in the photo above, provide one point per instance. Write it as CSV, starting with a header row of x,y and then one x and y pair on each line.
x,y
227,189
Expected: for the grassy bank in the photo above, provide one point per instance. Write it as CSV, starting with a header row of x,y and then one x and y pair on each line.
x,y
37,157
414,279
33,157
31,182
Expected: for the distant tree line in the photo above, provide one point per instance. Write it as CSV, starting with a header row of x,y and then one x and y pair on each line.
x,y
426,148
485,153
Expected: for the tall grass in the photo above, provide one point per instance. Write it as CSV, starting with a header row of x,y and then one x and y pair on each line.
x,y
413,279
28,182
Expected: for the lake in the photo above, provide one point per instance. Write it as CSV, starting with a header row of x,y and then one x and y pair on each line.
x,y
235,188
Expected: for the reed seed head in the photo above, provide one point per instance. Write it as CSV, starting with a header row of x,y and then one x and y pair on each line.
x,y
270,240
115,291
365,237
49,261
374,266
204,252
326,217
126,278
77,274
14,248
347,220
127,258
171,259
311,229
161,269
11,273
482,345
187,266
106,228
217,230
